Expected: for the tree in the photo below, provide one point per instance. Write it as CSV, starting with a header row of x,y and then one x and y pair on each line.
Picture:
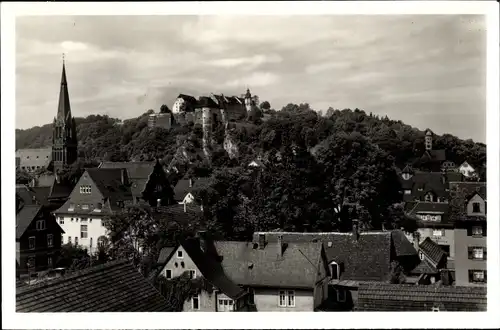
x,y
265,105
164,109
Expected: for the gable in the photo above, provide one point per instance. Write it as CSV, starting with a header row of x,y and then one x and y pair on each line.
x,y
179,265
77,199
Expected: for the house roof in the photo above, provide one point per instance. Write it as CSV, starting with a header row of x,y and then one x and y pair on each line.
x,y
425,267
109,182
137,172
113,287
365,259
59,190
24,218
433,156
248,265
206,102
460,194
424,182
416,207
181,213
164,255
433,251
401,297
211,269
190,100
470,188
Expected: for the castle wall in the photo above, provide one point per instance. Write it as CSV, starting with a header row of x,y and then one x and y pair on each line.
x,y
235,112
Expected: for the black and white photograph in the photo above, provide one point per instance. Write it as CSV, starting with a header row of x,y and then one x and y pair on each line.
x,y
197,161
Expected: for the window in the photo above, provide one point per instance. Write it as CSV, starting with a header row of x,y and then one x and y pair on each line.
x,y
477,276
341,295
407,192
421,255
85,206
477,253
335,271
477,231
76,241
32,242
85,189
83,231
50,240
49,261
71,207
61,221
83,219
196,302
476,207
287,298
69,239
438,232
179,254
40,225
168,273
91,240
192,273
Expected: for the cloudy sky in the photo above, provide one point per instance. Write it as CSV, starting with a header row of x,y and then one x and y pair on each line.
x,y
428,71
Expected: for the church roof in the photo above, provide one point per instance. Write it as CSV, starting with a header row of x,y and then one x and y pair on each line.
x,y
64,108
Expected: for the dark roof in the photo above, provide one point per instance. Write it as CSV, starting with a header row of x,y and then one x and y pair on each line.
x,y
180,213
182,187
190,100
24,218
452,176
423,207
433,156
470,189
206,102
33,195
60,190
401,297
137,173
164,255
365,259
113,287
211,269
432,251
424,182
247,265
109,182
425,267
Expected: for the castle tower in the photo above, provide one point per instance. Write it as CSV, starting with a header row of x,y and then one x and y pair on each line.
x,y
428,140
248,100
64,140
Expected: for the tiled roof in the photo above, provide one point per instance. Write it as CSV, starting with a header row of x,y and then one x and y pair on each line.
x,y
60,190
433,156
248,265
212,269
113,287
365,259
424,182
432,251
138,173
165,254
425,267
109,183
180,213
400,297
24,218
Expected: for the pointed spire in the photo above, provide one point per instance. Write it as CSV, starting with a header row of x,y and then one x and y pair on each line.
x,y
64,108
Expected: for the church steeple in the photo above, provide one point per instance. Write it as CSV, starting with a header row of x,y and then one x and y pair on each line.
x,y
64,142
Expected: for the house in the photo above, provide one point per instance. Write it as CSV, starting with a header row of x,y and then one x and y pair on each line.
x,y
184,103
112,287
99,193
432,261
384,297
467,170
468,210
38,239
160,120
148,181
32,195
427,186
30,160
355,257
278,276
186,188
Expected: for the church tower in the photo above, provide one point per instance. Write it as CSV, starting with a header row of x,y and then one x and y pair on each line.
x,y
248,100
428,139
64,141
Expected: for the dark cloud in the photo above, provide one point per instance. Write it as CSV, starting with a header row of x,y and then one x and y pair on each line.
x,y
427,70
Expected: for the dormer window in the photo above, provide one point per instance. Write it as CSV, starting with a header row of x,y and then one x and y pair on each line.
x,y
335,270
429,197
85,189
85,206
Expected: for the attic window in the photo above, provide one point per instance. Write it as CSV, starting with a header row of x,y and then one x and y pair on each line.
x,y
476,207
179,254
335,270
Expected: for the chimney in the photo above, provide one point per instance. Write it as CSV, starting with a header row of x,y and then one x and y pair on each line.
x,y
416,240
58,179
185,209
280,245
262,241
190,182
202,235
355,229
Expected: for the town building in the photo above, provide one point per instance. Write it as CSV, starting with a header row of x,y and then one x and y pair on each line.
x,y
432,266
279,276
99,193
112,287
469,208
160,120
148,181
186,189
38,239
31,160
383,297
65,143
